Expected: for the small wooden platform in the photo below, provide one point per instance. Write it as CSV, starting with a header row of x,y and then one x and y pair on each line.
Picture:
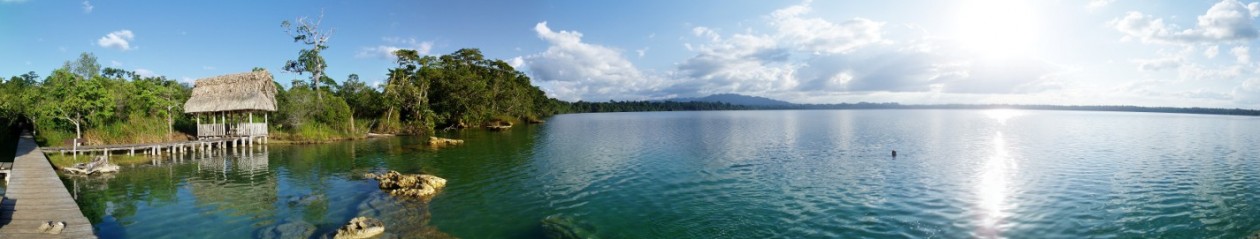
x,y
35,195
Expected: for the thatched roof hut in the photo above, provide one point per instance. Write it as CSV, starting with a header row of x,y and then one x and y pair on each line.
x,y
249,91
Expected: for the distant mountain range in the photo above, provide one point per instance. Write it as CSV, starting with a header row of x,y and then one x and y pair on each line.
x,y
745,102
737,99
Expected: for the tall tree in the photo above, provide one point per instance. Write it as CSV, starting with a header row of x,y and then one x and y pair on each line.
x,y
309,60
86,66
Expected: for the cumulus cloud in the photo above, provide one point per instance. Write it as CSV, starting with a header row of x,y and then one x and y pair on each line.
x,y
1158,64
1242,54
1212,51
386,51
1248,92
120,40
1098,4
798,57
1226,21
145,72
819,35
574,70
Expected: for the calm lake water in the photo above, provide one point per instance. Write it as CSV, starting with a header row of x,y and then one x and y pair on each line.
x,y
734,174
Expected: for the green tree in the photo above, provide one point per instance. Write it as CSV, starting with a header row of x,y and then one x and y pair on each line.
x,y
78,101
86,66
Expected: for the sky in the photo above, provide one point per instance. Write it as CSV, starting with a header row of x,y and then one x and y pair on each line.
x,y
1191,53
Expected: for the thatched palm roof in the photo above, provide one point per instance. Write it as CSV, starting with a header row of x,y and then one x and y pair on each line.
x,y
233,92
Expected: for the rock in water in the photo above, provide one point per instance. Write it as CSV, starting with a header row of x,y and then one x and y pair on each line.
x,y
439,142
561,227
295,228
360,227
410,185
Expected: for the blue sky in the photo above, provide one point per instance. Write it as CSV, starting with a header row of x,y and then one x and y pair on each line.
x,y
1152,53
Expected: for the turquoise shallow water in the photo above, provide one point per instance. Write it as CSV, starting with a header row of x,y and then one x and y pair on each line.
x,y
736,174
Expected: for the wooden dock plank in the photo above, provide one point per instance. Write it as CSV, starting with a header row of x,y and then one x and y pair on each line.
x,y
36,195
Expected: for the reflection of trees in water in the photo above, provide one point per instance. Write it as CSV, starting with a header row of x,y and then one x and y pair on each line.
x,y
239,182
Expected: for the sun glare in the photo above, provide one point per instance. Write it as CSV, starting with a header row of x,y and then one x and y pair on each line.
x,y
996,28
1001,115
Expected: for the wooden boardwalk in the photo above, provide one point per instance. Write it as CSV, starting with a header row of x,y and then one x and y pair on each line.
x,y
165,147
35,195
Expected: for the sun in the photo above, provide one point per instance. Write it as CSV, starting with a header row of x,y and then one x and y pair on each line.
x,y
996,28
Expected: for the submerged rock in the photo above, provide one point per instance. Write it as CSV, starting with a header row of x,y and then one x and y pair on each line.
x,y
360,227
561,227
438,142
289,229
100,164
410,185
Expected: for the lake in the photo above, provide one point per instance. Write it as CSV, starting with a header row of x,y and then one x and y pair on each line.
x,y
729,174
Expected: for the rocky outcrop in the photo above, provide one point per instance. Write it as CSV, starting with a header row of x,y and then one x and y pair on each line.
x,y
359,228
561,227
499,125
439,142
98,165
410,185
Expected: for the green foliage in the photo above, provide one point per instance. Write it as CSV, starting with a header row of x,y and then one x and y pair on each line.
x,y
79,102
109,106
458,90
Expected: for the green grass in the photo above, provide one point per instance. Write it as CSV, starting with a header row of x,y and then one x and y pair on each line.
x,y
310,133
139,129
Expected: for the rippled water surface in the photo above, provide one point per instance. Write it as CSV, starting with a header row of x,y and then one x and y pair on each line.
x,y
741,174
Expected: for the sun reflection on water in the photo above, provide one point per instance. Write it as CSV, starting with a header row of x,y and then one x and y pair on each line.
x,y
1001,115
994,188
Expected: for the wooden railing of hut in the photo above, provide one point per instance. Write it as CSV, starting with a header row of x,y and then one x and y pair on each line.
x,y
211,130
251,129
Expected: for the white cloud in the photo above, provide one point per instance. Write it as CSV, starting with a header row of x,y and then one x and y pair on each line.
x,y
145,72
706,33
642,52
819,35
574,70
208,68
87,7
1212,51
1159,63
516,62
1242,54
1226,21
1254,8
118,40
386,51
115,63
1098,4
1248,93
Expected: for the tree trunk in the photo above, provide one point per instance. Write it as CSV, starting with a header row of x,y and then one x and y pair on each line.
x,y
170,123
